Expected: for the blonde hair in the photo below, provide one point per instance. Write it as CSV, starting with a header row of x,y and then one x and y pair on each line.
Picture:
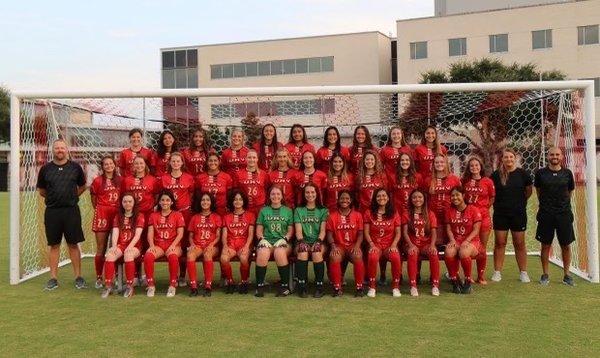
x,y
502,171
434,176
362,170
176,154
275,162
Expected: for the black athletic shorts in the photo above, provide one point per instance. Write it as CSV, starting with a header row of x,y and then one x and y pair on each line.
x,y
516,221
63,221
561,224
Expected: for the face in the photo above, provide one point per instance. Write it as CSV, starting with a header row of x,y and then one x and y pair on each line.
x,y
252,159
332,136
555,156
338,164
308,160
508,159
310,194
430,135
135,140
474,167
128,202
108,166
168,140
382,198
370,161
176,162
205,202
238,201
237,138
275,196
212,163
456,197
139,165
417,199
404,162
269,132
344,201
165,202
361,136
439,164
282,159
396,136
297,134
198,138
59,150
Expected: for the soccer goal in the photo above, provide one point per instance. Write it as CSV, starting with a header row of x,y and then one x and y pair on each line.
x,y
472,119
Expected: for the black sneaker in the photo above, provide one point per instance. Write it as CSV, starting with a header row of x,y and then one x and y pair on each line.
x,y
243,288
207,292
359,292
80,283
418,279
230,289
466,288
193,292
52,284
259,292
302,292
568,280
545,280
382,281
283,291
337,292
456,288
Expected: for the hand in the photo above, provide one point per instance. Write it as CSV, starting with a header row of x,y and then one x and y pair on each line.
x,y
317,246
451,244
335,250
245,250
373,248
170,250
303,247
393,248
356,250
192,247
412,249
433,249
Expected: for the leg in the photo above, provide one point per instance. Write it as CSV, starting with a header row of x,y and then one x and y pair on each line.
x,y
434,265
208,267
452,262
518,238
359,269
319,266
173,259
372,265
500,237
192,254
244,256
53,257
396,261
545,257
101,239
109,268
226,255
130,257
335,267
566,257
281,259
482,256
262,260
302,267
413,257
466,253
75,256
149,257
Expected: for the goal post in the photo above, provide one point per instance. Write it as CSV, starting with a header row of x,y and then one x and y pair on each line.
x,y
528,115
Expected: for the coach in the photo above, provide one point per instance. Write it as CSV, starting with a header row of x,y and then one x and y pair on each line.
x,y
554,185
61,182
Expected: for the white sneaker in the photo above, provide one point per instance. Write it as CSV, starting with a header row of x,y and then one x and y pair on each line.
x,y
150,291
396,292
524,277
171,291
99,284
435,291
371,293
414,292
497,276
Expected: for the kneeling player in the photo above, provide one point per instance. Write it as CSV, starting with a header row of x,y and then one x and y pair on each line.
x,y
345,236
205,231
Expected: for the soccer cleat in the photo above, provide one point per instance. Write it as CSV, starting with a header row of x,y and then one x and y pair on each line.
x,y
207,292
568,280
482,281
318,291
435,291
98,285
181,282
419,278
283,291
337,292
497,276
302,292
171,291
524,277
466,288
52,284
80,283
545,280
456,288
360,293
150,291
396,292
243,288
128,291
193,292
106,292
230,288
382,281
371,293
414,292
259,292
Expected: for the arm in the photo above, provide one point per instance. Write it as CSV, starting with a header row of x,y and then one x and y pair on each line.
x,y
136,237
42,192
411,247
250,236
298,227
359,240
394,246
81,190
177,238
290,233
150,236
474,233
451,240
260,232
528,191
322,232
94,199
114,237
367,235
224,237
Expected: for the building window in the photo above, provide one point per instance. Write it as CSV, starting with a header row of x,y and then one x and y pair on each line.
x,y
457,47
587,35
280,108
541,39
251,69
327,64
264,68
418,50
314,64
239,70
228,70
180,69
216,71
596,85
168,78
272,68
499,43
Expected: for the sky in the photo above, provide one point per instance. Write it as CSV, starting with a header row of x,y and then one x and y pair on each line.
x,y
114,45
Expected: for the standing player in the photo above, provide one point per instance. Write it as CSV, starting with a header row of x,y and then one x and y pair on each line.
x,y
405,182
165,231
298,144
233,159
382,233
215,182
309,221
338,179
390,153
204,234
274,230
143,186
440,185
237,236
135,149
419,226
554,185
267,146
167,144
345,236
513,188
104,192
425,152
361,143
480,192
307,173
462,227
282,174
127,227
253,182
195,155
370,178
331,145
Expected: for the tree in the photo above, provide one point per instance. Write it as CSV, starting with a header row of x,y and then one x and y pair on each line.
x,y
251,127
486,118
4,115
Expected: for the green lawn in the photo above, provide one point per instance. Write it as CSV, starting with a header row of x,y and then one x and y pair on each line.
x,y
501,319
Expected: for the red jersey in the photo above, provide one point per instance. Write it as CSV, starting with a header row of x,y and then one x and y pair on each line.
x,y
255,185
127,231
182,188
462,222
344,228
160,164
218,186
144,190
324,154
401,190
284,181
106,191
419,237
381,230
439,200
195,160
204,228
367,187
237,226
233,161
424,156
390,157
265,164
127,156
479,193
296,152
300,179
165,227
355,157
333,188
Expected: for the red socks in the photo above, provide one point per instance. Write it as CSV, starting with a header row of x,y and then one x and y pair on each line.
x,y
208,267
412,269
434,267
373,264
396,268
466,263
245,272
359,273
173,269
99,265
335,269
129,271
109,272
481,263
149,267
193,274
227,272
452,263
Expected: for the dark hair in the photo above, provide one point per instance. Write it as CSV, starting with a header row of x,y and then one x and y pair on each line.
x,y
331,172
467,175
424,212
161,150
302,167
134,131
338,143
213,154
116,178
262,156
318,201
145,163
411,171
349,192
291,139
368,140
205,144
196,202
231,196
458,188
437,146
171,196
134,211
389,207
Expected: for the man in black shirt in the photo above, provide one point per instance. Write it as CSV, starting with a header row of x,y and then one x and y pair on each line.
x,y
554,185
61,182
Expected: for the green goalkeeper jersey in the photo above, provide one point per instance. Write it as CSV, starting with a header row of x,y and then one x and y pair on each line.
x,y
275,222
311,220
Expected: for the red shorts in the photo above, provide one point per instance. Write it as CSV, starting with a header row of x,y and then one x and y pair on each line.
x,y
236,245
486,223
123,245
475,243
421,244
103,218
163,244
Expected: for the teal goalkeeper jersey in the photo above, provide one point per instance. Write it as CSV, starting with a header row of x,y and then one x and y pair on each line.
x,y
275,222
311,220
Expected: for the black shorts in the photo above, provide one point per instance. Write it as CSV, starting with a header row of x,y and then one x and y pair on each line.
x,y
63,221
516,221
561,224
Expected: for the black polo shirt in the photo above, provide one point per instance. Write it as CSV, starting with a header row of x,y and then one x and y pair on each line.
x,y
553,189
61,183
510,198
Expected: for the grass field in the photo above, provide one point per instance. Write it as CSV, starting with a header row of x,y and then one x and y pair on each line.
x,y
501,319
